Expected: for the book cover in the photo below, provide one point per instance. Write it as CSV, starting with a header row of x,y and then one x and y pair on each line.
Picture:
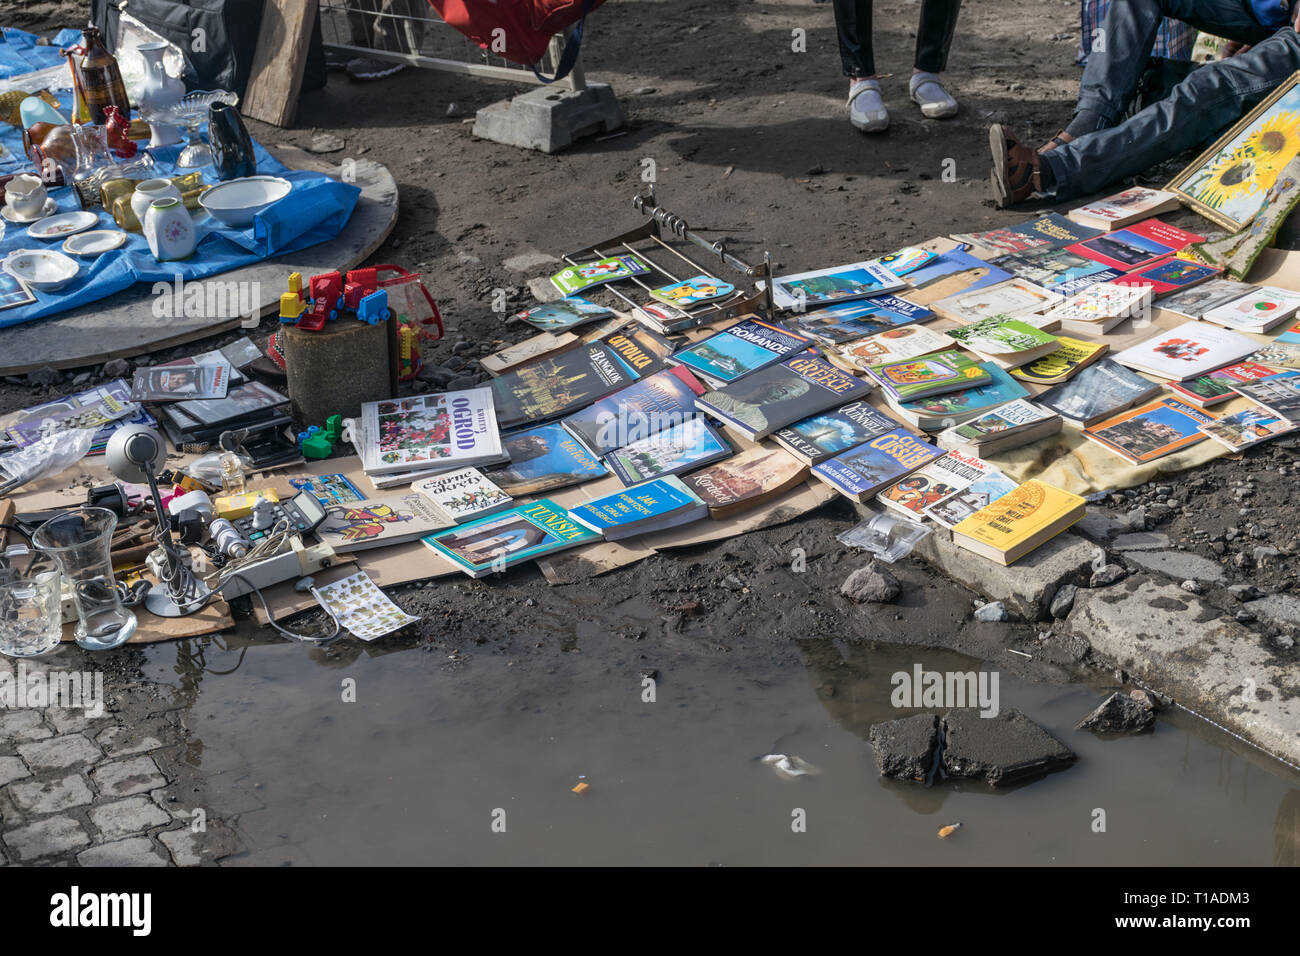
x,y
1170,275
379,522
1256,311
778,395
929,375
960,505
1099,390
1032,510
1192,349
1101,301
1071,287
894,345
745,347
952,272
463,494
1070,356
1278,355
116,392
1002,336
665,318
825,435
1291,335
107,413
590,274
664,399
558,384
935,412
862,471
1216,387
1131,205
642,350
1051,231
1048,267
693,291
510,537
438,429
859,280
1139,245
841,322
1002,419
566,313
905,260
1151,431
543,459
1007,298
1248,427
251,401
745,480
161,383
643,504
333,489
1280,394
1194,302
690,445
931,483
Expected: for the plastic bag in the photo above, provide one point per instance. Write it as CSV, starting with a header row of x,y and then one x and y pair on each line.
x,y
49,456
885,536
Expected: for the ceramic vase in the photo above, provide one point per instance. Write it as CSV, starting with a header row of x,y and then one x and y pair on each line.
x,y
158,90
149,190
169,230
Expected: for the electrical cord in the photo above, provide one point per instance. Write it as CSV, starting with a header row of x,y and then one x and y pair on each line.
x,y
295,635
268,547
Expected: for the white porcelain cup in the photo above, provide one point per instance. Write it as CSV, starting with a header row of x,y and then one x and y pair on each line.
x,y
25,196
147,191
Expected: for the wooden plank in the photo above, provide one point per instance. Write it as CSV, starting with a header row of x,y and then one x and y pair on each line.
x,y
275,80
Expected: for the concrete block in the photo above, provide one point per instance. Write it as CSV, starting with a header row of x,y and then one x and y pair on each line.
x,y
46,838
550,119
1280,609
126,777
1177,564
50,796
190,849
56,753
22,725
11,769
1028,586
135,852
128,817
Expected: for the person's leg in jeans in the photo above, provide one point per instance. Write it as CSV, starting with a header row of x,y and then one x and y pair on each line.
x,y
933,40
853,31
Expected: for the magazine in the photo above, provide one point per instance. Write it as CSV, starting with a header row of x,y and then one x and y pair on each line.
x,y
819,287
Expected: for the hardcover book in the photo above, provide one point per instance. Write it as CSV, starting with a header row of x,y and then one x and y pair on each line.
x,y
436,431
1070,356
1131,205
862,471
1192,349
1248,427
819,287
502,540
643,408
960,505
649,506
590,274
1215,387
745,480
1193,303
685,447
745,347
931,483
778,395
1098,391
543,459
1150,431
558,385
566,313
1008,298
931,374
1280,394
818,437
463,495
1019,521
379,522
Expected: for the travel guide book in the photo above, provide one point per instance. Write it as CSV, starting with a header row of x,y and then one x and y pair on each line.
x,y
1139,245
685,447
862,471
502,540
952,272
1280,394
814,439
1257,311
379,522
566,313
638,411
931,483
693,291
1007,298
746,480
1074,286
543,459
1192,349
847,321
936,412
809,290
927,375
1004,341
1193,303
1069,357
1048,267
1101,306
1019,521
1214,388
1097,392
558,385
771,398
1248,427
162,383
1131,205
1278,354
642,350
436,431
1047,232
1000,426
588,275
1150,431
1170,275
745,347
960,505
650,506
893,345
463,495
906,260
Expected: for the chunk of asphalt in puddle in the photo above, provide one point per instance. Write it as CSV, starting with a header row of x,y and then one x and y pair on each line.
x,y
1001,750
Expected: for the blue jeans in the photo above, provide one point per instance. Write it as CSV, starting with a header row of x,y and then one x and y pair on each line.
x,y
1196,111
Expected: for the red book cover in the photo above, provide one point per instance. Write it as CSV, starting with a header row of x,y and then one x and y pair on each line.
x,y
1169,275
1141,244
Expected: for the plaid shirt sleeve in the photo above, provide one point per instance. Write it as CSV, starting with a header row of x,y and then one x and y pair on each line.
x,y
1174,41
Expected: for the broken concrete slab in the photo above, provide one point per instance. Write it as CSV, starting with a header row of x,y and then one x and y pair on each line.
x,y
1181,647
1141,541
1177,564
550,119
1028,586
1120,714
1282,610
905,748
1001,750
1099,528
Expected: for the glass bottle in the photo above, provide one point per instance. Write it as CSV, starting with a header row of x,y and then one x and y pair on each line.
x,y
101,80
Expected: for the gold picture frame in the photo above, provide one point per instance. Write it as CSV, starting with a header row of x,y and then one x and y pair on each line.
x,y
1227,184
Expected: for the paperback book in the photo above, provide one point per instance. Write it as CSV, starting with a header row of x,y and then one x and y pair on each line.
x,y
1047,232
818,437
681,448
1071,287
463,495
335,489
579,278
566,313
642,350
1101,306
906,261
745,347
779,395
1139,245
1069,357
807,290
1170,275
847,321
1257,311
1048,267
667,320
1007,426
107,413
1019,521
960,505
931,483
558,385
926,375
745,480
1131,205
1214,388
1279,355
1150,431
650,506
1192,349
438,431
894,345
1009,298
379,522
116,393
1279,394
543,459
502,540
1004,341
1248,427
861,472
936,412
643,408
954,271
1193,303
1099,391
693,291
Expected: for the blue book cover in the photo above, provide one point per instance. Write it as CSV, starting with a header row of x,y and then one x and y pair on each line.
x,y
818,437
664,399
509,537
743,348
969,401
685,447
953,262
862,471
543,459
1070,286
899,311
651,499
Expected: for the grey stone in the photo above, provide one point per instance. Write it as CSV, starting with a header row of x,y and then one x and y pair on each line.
x,y
190,849
1141,541
128,817
1264,555
905,748
59,752
126,777
50,796
117,742
543,289
1244,592
46,838
67,720
325,143
1137,518
1001,750
1064,601
531,262
1177,564
45,375
1099,528
992,613
550,120
1282,610
1192,586
1119,714
1108,575
21,725
11,769
116,368
138,851
871,583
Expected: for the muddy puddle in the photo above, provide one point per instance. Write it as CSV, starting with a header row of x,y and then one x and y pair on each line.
x,y
435,749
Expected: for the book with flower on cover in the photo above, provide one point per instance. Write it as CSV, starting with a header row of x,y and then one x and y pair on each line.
x,y
463,495
436,431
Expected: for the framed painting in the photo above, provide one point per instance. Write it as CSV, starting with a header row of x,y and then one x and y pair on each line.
x,y
1228,183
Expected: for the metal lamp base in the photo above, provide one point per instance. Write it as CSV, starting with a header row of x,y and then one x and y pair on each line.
x,y
159,602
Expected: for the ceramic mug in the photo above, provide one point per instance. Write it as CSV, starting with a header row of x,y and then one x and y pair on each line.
x,y
25,196
169,230
146,191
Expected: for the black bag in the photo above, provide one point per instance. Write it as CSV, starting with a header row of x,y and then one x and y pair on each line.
x,y
229,37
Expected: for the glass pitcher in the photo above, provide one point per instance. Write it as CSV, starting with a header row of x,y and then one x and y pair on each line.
x,y
78,540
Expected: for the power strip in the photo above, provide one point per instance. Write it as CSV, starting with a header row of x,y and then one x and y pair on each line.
x,y
289,565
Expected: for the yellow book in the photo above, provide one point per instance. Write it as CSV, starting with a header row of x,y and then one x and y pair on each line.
x,y
1019,522
1072,356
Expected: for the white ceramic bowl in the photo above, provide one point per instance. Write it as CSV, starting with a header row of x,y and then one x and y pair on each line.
x,y
237,201
42,269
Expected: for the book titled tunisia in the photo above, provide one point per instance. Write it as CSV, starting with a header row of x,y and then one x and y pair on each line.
x,y
1151,431
774,397
862,471
502,540
1019,521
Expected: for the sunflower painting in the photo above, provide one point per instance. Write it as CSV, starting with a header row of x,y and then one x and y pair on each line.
x,y
1229,182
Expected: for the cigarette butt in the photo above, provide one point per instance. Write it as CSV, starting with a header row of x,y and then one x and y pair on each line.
x,y
949,830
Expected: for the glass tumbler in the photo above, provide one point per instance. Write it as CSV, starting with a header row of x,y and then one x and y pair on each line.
x,y
78,541
31,615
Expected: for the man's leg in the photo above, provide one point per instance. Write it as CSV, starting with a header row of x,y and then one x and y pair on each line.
x,y
934,34
853,31
1198,109
1121,51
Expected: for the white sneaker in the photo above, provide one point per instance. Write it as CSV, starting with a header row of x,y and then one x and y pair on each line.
x,y
927,93
866,108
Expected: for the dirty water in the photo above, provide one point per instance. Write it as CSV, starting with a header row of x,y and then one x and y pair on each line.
x,y
437,748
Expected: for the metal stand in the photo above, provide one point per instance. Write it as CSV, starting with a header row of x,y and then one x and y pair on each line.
x,y
185,593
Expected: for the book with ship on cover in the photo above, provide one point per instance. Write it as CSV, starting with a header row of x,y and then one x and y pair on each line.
x,y
779,395
1019,521
738,350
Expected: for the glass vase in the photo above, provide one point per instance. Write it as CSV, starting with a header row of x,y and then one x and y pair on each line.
x,y
78,540
31,615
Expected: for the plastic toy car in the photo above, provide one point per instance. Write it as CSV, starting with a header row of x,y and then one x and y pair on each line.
x,y
327,286
373,309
